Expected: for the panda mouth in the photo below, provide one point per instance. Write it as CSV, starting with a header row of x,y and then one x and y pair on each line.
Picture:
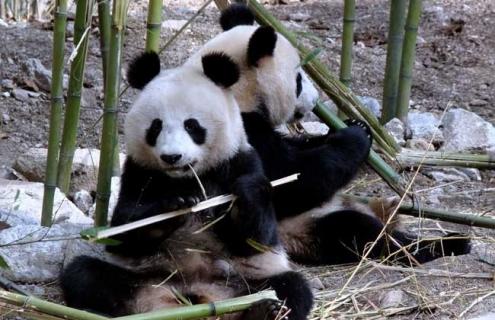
x,y
184,168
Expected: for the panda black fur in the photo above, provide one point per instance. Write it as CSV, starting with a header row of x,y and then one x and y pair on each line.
x,y
315,227
168,131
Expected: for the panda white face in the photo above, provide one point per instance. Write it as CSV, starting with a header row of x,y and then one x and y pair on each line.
x,y
180,120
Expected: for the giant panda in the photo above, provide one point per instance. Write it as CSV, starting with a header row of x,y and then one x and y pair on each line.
x,y
315,227
185,126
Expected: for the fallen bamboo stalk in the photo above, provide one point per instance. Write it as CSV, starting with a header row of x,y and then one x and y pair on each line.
x,y
438,158
199,311
388,174
216,201
47,307
438,214
338,92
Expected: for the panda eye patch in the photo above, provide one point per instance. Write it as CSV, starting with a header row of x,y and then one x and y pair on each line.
x,y
153,132
195,130
298,84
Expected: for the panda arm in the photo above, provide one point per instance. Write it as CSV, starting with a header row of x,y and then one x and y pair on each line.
x,y
305,141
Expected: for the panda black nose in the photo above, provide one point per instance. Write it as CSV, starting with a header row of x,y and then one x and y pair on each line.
x,y
171,158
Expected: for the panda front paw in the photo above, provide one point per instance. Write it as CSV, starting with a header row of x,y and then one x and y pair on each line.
x,y
361,124
252,189
268,309
178,203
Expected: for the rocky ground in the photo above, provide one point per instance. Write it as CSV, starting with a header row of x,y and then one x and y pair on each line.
x,y
454,70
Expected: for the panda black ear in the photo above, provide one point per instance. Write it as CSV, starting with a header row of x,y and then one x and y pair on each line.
x,y
262,44
235,15
220,69
143,69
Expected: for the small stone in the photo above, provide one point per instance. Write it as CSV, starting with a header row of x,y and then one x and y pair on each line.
x,y
41,75
83,200
372,104
447,175
425,125
21,94
173,25
6,94
473,173
7,84
299,16
5,118
466,131
316,284
396,128
418,144
478,103
392,299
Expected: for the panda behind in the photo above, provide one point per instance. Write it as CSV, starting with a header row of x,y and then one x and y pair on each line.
x,y
186,119
315,226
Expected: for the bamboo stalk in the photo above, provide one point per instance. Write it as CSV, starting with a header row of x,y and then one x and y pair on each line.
x,y
339,93
438,214
200,311
112,85
49,308
153,25
104,26
388,174
436,158
57,100
347,39
222,4
408,56
84,12
394,52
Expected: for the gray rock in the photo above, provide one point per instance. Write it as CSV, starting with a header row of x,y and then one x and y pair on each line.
x,y
299,16
5,118
7,84
8,173
418,144
21,94
173,25
6,94
396,128
424,125
83,200
486,316
316,284
3,23
466,131
473,173
372,104
392,299
37,71
24,199
478,103
447,175
31,259
32,165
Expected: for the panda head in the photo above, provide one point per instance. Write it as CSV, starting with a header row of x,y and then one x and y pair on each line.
x,y
185,117
272,80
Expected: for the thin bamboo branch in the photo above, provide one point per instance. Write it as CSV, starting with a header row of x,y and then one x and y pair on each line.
x,y
84,12
339,93
394,52
47,307
437,214
408,56
153,25
388,174
204,310
436,158
57,100
109,131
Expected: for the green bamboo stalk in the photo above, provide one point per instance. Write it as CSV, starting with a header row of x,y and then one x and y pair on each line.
x,y
84,12
445,159
201,311
347,40
388,174
153,25
392,66
437,214
49,308
339,93
57,100
108,140
104,26
408,56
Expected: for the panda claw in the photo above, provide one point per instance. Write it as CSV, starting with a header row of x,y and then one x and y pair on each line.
x,y
361,124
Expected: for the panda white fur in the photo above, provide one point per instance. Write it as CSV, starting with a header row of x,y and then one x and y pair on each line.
x,y
188,117
315,227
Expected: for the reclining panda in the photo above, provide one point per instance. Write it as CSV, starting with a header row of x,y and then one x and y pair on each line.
x,y
273,90
186,122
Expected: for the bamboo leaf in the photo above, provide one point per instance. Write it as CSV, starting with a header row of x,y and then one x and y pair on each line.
x,y
3,263
311,56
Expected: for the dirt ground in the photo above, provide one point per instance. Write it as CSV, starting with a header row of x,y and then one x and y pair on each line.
x,y
455,64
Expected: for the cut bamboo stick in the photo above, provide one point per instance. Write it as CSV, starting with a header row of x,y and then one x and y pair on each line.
x,y
84,12
446,159
216,201
153,26
347,40
47,307
57,101
109,131
408,56
388,174
205,310
438,214
394,53
339,93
